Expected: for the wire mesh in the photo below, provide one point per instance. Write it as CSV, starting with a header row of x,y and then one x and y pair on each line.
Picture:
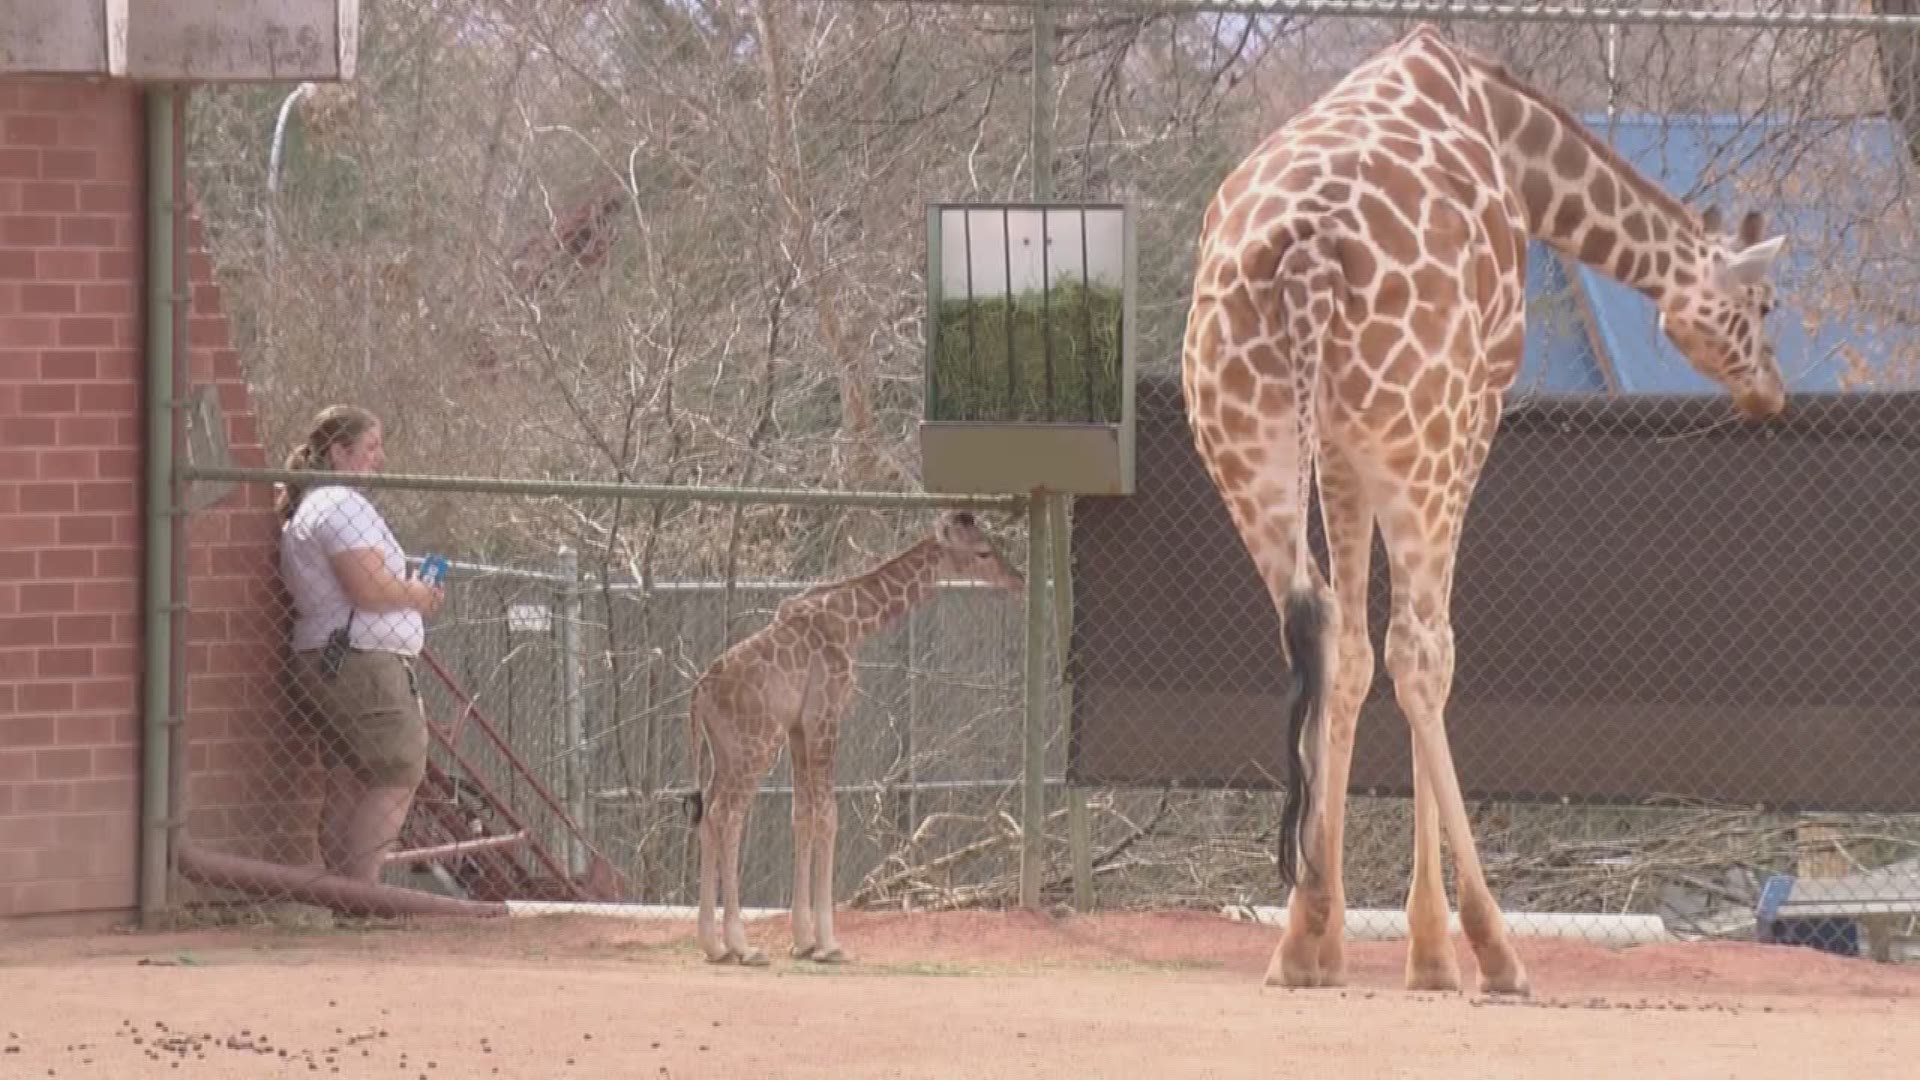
x,y
555,689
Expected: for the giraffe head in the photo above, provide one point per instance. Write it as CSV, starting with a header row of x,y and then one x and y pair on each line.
x,y
969,554
1718,321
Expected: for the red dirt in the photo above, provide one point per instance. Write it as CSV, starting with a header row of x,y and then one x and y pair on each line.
x,y
961,994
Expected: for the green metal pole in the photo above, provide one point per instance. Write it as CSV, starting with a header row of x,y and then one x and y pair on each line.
x,y
1079,829
1033,806
155,813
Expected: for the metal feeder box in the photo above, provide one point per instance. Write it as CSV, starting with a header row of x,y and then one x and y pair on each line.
x,y
1030,349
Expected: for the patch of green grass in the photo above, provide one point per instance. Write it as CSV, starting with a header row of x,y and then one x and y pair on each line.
x,y
1081,326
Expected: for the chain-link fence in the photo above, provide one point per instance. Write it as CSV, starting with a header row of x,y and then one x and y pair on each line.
x,y
554,763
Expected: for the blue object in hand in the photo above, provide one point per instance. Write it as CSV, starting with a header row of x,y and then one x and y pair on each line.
x,y
432,569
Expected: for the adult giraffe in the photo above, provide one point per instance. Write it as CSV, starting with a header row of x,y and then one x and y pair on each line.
x,y
1359,306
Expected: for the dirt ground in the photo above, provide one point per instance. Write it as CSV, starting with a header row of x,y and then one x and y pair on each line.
x,y
970,995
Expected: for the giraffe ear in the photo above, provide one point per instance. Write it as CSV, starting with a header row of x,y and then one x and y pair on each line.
x,y
1750,265
1710,219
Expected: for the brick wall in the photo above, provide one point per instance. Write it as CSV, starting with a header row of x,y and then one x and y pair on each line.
x,y
71,269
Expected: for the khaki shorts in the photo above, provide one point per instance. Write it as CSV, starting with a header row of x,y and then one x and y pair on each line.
x,y
367,717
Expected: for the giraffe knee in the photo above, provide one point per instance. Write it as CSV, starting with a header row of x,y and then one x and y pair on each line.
x,y
1420,660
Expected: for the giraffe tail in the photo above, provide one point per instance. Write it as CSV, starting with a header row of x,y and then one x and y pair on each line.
x,y
696,800
1313,289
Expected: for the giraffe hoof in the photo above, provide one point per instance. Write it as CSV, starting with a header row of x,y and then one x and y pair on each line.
x,y
1511,984
753,958
829,956
801,952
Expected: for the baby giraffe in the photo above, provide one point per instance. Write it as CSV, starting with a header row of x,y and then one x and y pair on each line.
x,y
794,678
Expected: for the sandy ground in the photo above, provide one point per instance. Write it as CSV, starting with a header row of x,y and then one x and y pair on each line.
x,y
959,995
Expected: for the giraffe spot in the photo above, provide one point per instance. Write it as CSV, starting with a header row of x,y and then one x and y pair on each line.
x,y
1345,165
1602,193
1267,360
1429,389
1353,386
1662,262
1357,262
1683,277
1662,229
1401,430
1232,469
1570,157
1566,220
1336,191
1429,327
1430,82
1233,186
1486,275
1236,378
1536,134
1243,321
1236,425
1596,246
1404,366
1423,114
1403,147
1536,194
1635,226
1396,293
1377,341
1395,238
1275,399
1434,285
1626,266
1508,112
1439,430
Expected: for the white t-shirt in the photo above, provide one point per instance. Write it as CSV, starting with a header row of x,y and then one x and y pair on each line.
x,y
331,519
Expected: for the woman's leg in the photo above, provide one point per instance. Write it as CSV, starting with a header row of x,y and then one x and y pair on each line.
x,y
388,739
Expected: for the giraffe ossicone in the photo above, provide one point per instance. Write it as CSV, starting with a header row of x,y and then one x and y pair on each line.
x,y
790,682
1358,314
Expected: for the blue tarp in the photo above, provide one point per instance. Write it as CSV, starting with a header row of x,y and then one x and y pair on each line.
x,y
1700,158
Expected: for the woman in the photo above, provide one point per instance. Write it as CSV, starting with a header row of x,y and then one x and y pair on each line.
x,y
358,625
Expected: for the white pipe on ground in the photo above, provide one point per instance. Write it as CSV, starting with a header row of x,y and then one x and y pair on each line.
x,y
1390,924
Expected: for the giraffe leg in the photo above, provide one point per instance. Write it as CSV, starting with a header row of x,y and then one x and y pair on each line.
x,y
1420,657
733,822
1349,528
709,931
826,826
1432,963
804,839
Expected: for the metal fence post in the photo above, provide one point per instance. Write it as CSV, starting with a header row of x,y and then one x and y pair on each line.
x,y
572,670
1033,808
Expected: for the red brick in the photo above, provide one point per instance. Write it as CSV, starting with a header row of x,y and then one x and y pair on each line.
x,y
117,692
29,230
83,629
45,195
109,198
89,431
15,664
19,865
21,531
16,765
116,660
63,863
66,564
99,397
27,331
109,794
42,798
65,264
45,398
47,498
19,163
9,605
119,266
19,565
111,298
88,331
37,897
65,663
119,464
69,364
65,763
69,464
26,430
90,529
69,164
87,730
32,130
114,889
38,298
107,495
25,630
32,832
116,563
45,696
21,365
87,230
28,733
119,364
116,761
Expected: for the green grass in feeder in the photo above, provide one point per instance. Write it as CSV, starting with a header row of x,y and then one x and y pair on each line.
x,y
970,374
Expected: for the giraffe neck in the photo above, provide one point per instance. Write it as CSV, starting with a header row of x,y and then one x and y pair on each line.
x,y
869,601
1582,198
